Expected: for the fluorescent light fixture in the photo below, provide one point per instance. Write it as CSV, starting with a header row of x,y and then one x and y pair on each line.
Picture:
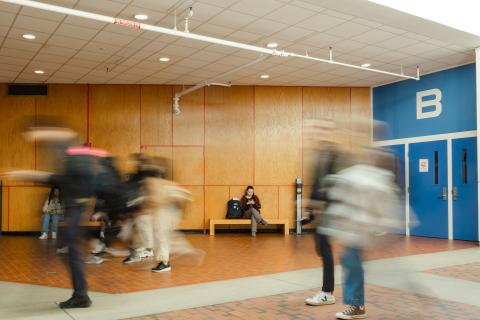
x,y
39,72
264,76
459,14
164,59
141,16
28,36
272,45
366,65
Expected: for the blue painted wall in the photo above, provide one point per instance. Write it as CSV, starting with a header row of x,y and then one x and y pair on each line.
x,y
396,105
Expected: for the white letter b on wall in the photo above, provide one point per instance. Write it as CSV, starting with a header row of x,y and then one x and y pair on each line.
x,y
435,102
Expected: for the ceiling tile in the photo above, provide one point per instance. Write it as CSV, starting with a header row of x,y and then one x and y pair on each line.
x,y
415,36
293,34
367,23
390,56
106,7
369,51
8,8
337,14
92,56
162,6
85,23
418,48
67,42
22,45
42,14
373,36
30,23
261,8
290,14
396,43
320,22
113,38
392,29
347,46
213,30
69,30
9,52
232,19
6,18
306,5
243,36
101,48
348,29
265,27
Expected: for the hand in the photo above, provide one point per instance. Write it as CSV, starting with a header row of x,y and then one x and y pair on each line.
x,y
251,202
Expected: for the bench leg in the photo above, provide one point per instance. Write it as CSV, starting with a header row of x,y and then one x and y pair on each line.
x,y
212,229
286,229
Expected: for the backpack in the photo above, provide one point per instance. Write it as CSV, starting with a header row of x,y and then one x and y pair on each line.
x,y
234,210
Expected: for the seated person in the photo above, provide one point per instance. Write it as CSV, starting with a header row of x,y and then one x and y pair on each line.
x,y
52,211
250,205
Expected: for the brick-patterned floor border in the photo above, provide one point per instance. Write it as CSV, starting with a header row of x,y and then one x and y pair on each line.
x,y
382,303
470,272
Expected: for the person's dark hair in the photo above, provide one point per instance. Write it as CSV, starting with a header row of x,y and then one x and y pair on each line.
x,y
51,195
248,188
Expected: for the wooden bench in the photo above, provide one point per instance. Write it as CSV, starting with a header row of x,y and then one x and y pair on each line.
x,y
88,224
214,222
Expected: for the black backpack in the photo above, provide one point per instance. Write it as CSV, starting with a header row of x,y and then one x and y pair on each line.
x,y
233,209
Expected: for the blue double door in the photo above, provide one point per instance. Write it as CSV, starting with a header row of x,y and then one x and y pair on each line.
x,y
430,194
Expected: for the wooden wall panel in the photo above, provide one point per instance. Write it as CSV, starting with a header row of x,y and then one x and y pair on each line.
x,y
188,165
193,217
324,103
26,215
287,205
269,199
361,109
216,199
229,140
278,135
5,212
156,115
68,103
237,191
115,120
188,126
15,152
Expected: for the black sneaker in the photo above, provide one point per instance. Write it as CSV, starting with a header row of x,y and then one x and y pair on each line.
x,y
162,267
75,302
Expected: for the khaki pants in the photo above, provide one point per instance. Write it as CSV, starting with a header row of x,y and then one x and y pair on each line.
x,y
255,216
167,240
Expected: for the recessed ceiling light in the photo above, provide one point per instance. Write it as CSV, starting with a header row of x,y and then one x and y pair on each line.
x,y
28,36
164,59
366,65
264,76
272,45
39,72
141,16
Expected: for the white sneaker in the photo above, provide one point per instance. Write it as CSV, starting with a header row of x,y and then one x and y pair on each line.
x,y
62,250
43,236
321,299
94,260
99,248
146,254
54,235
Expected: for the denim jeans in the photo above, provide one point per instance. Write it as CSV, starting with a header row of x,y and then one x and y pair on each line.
x,y
353,277
46,220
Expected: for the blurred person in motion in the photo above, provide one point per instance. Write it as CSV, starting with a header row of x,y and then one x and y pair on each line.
x,y
325,141
75,177
52,212
363,203
250,205
138,229
165,200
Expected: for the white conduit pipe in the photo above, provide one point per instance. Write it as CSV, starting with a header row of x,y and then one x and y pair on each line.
x,y
173,32
209,82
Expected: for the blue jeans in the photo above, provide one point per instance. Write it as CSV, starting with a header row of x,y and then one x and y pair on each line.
x,y
353,277
46,220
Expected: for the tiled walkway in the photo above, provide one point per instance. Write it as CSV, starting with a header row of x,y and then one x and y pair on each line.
x,y
244,278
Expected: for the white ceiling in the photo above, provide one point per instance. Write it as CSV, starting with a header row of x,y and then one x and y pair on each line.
x,y
77,50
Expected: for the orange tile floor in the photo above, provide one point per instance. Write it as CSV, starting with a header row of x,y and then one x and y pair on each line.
x,y
381,303
228,256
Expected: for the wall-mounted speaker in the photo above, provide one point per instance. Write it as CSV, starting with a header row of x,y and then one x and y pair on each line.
x,y
27,90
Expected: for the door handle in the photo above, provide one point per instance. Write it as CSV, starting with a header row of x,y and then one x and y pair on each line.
x,y
455,193
444,194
